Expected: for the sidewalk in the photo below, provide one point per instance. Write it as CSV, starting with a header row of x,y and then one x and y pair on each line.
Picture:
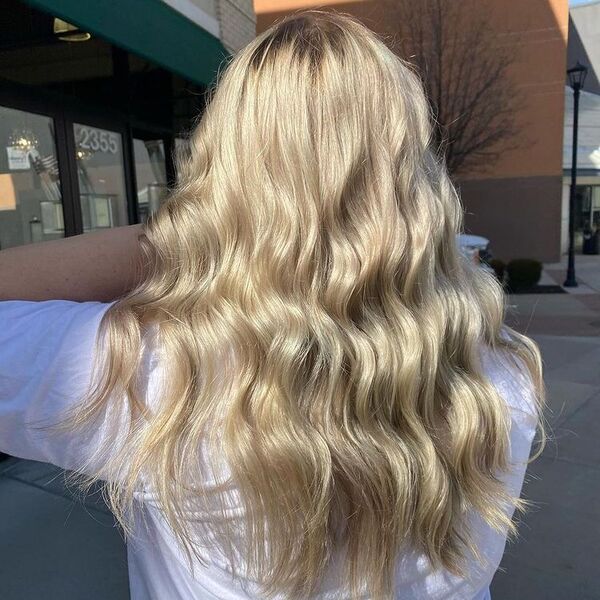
x,y
556,555
587,272
53,546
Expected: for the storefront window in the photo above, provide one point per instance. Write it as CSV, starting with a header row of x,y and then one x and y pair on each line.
x,y
99,158
587,205
150,175
595,202
30,196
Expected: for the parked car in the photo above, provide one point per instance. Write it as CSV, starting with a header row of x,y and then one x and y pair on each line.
x,y
476,249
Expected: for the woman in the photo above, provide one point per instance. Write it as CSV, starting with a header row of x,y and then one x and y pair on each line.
x,y
304,392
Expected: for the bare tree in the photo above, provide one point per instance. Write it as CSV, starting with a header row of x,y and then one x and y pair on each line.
x,y
464,64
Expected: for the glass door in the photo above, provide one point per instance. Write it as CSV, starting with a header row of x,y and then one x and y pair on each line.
x,y
99,158
150,175
31,201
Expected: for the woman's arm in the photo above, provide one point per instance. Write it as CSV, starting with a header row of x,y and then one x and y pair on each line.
x,y
95,266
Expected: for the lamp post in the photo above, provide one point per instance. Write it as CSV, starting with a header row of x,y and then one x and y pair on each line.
x,y
576,79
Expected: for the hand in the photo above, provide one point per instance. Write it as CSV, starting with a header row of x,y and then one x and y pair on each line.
x,y
100,266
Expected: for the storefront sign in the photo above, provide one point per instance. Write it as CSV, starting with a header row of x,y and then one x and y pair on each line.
x,y
97,140
18,159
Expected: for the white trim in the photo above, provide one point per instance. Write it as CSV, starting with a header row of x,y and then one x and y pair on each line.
x,y
195,14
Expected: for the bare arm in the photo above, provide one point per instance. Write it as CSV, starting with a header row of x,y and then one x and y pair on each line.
x,y
96,266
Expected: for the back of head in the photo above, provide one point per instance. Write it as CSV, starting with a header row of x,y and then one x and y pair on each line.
x,y
320,329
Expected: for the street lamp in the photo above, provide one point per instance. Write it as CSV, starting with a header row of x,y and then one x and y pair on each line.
x,y
576,79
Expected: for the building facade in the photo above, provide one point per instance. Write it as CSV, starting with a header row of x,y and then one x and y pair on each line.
x,y
95,97
584,47
516,202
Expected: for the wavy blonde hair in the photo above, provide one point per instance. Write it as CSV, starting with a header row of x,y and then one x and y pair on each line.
x,y
317,326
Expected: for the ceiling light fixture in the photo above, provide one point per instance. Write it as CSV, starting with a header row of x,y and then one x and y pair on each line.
x,y
69,33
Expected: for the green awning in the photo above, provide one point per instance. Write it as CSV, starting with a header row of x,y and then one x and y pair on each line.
x,y
149,28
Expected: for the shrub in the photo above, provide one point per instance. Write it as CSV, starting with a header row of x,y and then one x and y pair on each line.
x,y
499,268
523,273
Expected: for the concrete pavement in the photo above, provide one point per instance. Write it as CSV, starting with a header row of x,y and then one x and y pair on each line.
x,y
54,546
587,272
557,554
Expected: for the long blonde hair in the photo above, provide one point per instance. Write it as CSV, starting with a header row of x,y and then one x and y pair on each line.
x,y
317,326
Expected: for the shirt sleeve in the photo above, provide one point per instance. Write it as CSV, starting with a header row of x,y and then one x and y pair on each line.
x,y
47,352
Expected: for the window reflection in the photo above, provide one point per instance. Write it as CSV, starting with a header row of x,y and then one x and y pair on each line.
x,y
31,207
150,175
99,157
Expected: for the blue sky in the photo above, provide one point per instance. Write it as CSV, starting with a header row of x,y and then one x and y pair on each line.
x,y
576,2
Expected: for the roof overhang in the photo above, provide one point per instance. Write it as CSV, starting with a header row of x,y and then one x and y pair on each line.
x,y
149,28
584,42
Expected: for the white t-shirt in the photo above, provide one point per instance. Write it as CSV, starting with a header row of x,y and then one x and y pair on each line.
x,y
46,351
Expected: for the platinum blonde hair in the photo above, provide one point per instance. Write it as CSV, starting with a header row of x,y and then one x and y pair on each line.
x,y
317,326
